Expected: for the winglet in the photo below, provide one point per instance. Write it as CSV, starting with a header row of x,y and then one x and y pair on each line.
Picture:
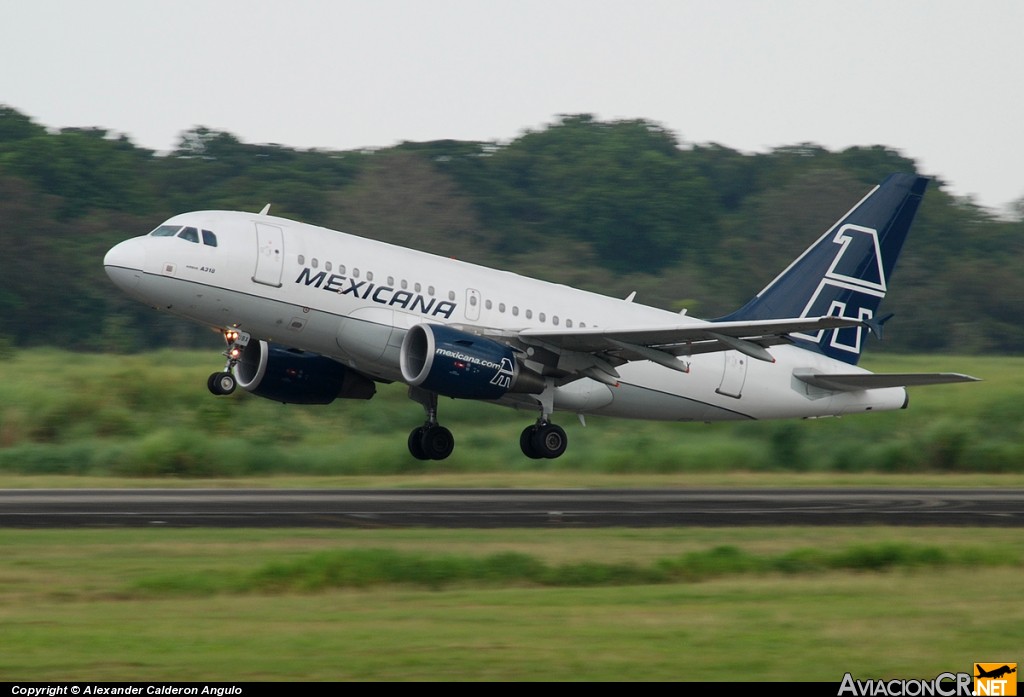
x,y
875,325
266,209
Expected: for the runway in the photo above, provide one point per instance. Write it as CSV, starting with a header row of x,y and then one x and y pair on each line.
x,y
508,508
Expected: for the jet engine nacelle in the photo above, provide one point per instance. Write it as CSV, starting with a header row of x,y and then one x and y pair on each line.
x,y
454,363
297,377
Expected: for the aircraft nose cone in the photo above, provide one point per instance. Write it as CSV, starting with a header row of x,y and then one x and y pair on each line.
x,y
124,263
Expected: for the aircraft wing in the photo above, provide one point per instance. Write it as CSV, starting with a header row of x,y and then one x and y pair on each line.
x,y
596,351
853,382
644,343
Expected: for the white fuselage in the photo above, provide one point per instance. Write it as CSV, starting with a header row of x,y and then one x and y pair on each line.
x,y
354,299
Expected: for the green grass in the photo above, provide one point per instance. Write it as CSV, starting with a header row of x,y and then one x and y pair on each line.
x,y
369,568
779,629
527,480
151,416
753,604
786,604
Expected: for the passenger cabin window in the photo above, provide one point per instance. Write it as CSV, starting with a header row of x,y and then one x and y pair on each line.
x,y
209,239
166,231
190,234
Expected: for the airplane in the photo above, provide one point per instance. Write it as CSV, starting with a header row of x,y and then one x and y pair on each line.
x,y
995,672
310,315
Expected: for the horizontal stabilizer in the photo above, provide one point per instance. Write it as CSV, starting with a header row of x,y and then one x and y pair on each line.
x,y
852,382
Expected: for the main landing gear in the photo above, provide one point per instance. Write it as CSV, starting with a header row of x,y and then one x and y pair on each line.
x,y
431,441
224,383
543,440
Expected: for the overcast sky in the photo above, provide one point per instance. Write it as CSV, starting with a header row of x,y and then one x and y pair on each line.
x,y
942,81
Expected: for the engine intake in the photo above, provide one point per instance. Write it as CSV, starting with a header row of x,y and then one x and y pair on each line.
x,y
457,364
298,377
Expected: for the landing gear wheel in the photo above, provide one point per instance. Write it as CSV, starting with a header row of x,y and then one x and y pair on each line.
x,y
437,442
549,441
416,443
543,441
221,383
526,443
429,441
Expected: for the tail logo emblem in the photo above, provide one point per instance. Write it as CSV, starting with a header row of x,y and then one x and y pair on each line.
x,y
855,283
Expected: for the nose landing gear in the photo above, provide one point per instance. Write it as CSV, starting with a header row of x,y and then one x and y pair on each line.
x,y
224,383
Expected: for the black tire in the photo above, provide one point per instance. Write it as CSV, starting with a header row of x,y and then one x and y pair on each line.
x,y
526,443
221,383
549,441
437,442
416,443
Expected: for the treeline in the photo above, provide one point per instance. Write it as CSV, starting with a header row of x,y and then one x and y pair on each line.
x,y
610,206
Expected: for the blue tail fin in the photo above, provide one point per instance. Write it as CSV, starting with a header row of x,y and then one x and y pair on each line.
x,y
846,271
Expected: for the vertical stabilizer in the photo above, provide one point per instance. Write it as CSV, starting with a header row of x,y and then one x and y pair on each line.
x,y
846,271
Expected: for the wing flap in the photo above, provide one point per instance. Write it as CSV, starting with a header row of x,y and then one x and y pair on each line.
x,y
854,382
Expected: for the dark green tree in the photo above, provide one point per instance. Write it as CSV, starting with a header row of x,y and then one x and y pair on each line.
x,y
626,188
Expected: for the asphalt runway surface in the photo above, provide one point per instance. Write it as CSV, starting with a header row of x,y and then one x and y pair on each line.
x,y
508,508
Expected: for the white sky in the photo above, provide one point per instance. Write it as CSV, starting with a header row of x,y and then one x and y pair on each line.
x,y
940,80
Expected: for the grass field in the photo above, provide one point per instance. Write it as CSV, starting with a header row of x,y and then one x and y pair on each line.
x,y
186,605
151,416
781,604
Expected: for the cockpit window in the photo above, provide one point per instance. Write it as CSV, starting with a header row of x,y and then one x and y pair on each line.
x,y
166,231
190,234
